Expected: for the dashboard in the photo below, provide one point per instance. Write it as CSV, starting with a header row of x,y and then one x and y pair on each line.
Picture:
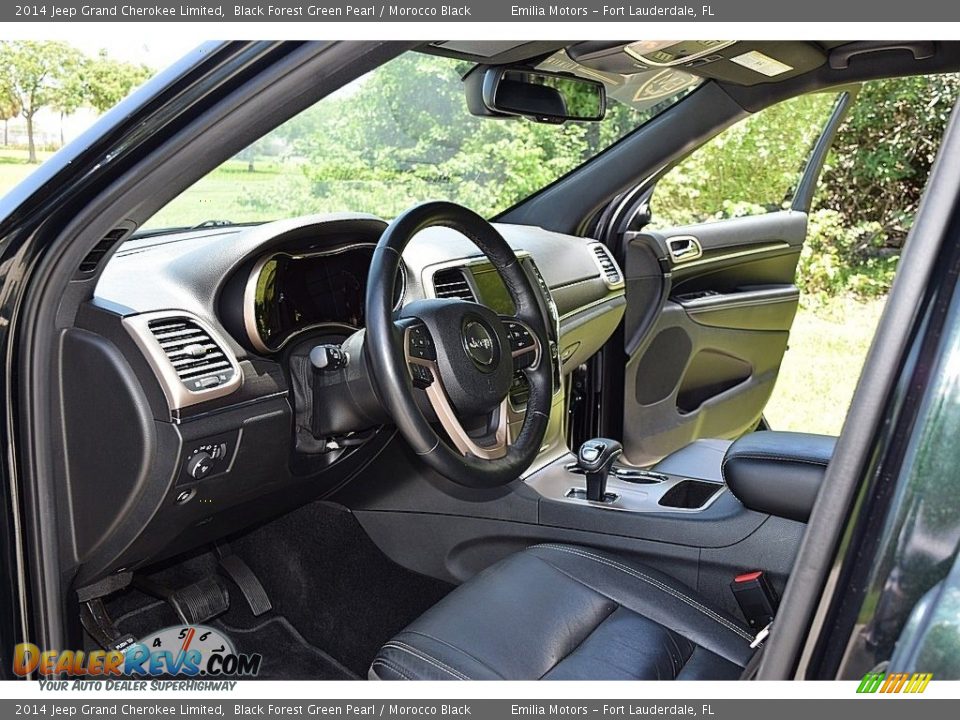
x,y
200,336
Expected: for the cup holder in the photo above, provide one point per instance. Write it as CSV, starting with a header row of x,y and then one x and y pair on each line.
x,y
638,476
690,494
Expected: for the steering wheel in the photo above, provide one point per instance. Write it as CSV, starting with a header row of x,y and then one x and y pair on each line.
x,y
462,354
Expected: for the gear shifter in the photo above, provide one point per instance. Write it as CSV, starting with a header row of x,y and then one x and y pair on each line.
x,y
595,458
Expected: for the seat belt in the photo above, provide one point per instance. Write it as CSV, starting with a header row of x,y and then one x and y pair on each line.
x,y
750,671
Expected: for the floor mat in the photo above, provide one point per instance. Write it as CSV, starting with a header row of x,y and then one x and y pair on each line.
x,y
328,578
336,598
286,654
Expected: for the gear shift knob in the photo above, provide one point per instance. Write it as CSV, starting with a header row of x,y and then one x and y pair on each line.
x,y
596,457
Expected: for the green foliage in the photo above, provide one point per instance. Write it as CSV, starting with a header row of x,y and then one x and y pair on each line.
x,y
839,258
750,169
107,81
36,74
872,184
869,191
883,153
405,135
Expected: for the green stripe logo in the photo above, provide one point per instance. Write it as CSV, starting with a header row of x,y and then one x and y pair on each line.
x,y
894,683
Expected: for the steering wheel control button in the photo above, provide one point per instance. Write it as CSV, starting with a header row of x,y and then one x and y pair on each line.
x,y
479,344
420,344
422,376
520,337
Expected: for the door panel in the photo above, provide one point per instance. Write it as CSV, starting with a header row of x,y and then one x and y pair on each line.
x,y
706,330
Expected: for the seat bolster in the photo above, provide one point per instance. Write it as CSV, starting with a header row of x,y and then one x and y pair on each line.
x,y
653,595
425,657
567,612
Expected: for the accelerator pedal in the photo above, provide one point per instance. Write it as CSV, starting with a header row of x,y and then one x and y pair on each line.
x,y
246,580
196,603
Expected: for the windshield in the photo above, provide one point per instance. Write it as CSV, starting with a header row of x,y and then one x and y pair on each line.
x,y
402,134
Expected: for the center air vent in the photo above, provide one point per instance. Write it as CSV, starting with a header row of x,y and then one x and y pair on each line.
x,y
190,361
452,283
608,266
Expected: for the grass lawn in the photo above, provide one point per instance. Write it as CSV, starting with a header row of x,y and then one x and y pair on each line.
x,y
215,197
820,371
14,167
827,345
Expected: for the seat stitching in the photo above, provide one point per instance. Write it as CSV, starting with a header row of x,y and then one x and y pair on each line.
x,y
655,583
454,647
390,666
427,658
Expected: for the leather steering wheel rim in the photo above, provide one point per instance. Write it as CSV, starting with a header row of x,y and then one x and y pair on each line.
x,y
389,363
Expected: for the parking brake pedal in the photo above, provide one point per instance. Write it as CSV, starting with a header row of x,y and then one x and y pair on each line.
x,y
97,623
247,581
196,603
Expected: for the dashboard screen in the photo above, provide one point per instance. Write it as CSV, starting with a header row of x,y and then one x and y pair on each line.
x,y
491,290
295,292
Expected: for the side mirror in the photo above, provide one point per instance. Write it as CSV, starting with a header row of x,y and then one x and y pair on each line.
x,y
541,96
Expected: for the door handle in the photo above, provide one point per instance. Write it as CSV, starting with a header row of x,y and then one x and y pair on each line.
x,y
684,248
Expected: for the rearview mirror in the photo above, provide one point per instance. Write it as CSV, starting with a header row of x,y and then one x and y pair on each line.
x,y
541,96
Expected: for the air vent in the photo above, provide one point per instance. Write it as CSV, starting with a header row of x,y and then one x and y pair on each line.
x,y
197,359
92,261
452,283
192,363
609,268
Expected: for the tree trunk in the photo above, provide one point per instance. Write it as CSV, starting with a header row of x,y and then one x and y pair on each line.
x,y
32,158
250,165
6,132
61,129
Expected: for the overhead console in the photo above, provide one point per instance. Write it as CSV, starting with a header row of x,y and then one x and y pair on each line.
x,y
740,63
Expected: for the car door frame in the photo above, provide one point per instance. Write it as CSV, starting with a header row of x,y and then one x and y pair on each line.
x,y
617,225
842,537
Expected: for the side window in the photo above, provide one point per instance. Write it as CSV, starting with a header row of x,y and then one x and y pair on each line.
x,y
751,168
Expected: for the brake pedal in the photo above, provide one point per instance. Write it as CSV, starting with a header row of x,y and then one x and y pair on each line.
x,y
196,603
251,588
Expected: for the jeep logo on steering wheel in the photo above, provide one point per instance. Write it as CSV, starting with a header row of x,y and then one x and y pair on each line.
x,y
478,343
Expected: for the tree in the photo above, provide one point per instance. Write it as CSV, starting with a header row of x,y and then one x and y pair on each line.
x,y
9,107
34,71
71,92
108,81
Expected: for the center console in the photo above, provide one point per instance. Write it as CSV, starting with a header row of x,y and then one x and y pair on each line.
x,y
595,478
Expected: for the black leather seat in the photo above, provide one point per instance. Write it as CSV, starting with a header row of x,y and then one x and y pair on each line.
x,y
565,612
